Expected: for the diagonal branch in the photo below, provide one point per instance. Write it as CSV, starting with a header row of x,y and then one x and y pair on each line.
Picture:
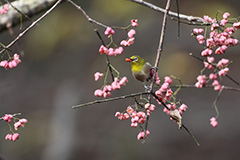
x,y
29,27
27,8
192,19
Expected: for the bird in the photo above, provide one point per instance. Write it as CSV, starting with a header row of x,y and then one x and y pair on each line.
x,y
141,70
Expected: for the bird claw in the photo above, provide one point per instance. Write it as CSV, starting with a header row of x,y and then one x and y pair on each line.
x,y
146,87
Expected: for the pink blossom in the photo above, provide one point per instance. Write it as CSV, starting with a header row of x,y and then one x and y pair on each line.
x,y
217,86
236,25
20,123
167,80
130,41
198,30
183,107
166,110
212,76
226,15
118,51
109,31
206,52
214,26
115,85
7,118
111,52
134,124
117,114
210,59
230,30
134,22
98,93
9,137
106,94
4,9
200,39
231,42
223,72
152,107
219,50
123,81
208,65
223,62
201,81
98,76
164,87
223,22
142,134
124,43
103,49
131,33
126,116
213,122
15,136
16,58
207,19
4,64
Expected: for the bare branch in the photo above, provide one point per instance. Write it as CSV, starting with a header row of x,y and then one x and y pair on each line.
x,y
191,19
28,8
109,99
29,27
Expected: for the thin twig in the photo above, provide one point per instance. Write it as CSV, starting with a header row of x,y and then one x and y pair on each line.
x,y
216,99
229,77
26,16
206,86
92,21
16,114
20,35
160,46
109,99
86,15
191,19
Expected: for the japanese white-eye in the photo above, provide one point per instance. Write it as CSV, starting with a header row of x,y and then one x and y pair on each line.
x,y
141,69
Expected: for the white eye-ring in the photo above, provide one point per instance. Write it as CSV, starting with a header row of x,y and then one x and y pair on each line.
x,y
135,59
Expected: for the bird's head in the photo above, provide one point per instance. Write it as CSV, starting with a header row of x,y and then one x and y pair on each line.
x,y
136,62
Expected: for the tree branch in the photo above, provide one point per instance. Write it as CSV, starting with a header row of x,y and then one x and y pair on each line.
x,y
109,99
29,27
192,19
28,8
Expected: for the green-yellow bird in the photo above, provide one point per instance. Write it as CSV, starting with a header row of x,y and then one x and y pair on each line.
x,y
141,69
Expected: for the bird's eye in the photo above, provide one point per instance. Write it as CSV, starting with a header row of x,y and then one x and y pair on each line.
x,y
136,59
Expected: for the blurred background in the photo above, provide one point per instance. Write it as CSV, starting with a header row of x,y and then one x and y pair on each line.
x,y
59,61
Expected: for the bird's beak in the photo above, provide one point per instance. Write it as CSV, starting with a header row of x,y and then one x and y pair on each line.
x,y
128,60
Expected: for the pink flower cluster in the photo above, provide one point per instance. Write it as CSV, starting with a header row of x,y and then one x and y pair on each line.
x,y
106,91
218,40
4,9
20,123
142,134
118,50
12,63
213,122
130,39
12,137
109,31
222,70
98,76
182,108
137,117
164,93
110,51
